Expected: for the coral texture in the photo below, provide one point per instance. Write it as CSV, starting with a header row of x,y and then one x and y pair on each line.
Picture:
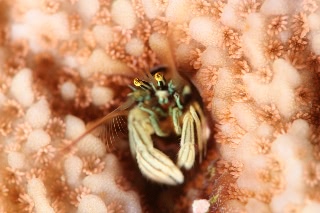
x,y
256,64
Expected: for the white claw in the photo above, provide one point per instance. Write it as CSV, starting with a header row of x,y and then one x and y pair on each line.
x,y
201,143
158,167
186,153
153,163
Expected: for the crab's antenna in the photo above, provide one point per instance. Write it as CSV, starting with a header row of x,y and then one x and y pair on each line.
x,y
159,68
161,46
145,74
121,110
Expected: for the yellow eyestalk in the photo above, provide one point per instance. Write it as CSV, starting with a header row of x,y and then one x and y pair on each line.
x,y
139,83
159,78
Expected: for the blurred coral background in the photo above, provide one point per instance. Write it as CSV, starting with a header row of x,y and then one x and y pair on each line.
x,y
256,64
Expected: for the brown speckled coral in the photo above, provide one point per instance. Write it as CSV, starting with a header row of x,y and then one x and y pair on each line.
x,y
256,64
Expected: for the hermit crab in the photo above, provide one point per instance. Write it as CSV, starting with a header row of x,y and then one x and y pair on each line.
x,y
162,103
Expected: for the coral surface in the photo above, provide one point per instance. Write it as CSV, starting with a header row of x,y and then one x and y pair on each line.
x,y
256,64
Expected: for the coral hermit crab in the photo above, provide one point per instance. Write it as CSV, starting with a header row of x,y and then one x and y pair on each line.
x,y
157,106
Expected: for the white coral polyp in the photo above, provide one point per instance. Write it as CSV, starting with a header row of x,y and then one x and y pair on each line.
x,y
300,128
314,25
286,73
213,56
38,114
99,61
285,101
314,21
249,179
281,90
16,160
315,42
103,34
21,87
123,14
135,47
253,40
262,93
265,130
200,206
150,9
225,84
105,183
99,183
275,7
234,206
91,145
294,152
92,204
230,15
37,191
101,95
311,207
37,139
68,90
88,9
57,24
206,31
182,53
29,4
286,79
72,168
74,127
245,116
160,45
41,28
254,204
177,11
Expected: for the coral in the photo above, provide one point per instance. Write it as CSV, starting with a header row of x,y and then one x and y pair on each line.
x,y
277,25
256,64
200,206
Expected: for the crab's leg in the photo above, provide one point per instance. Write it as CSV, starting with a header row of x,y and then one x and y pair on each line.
x,y
156,166
202,138
186,153
132,144
176,113
198,131
154,121
139,118
152,163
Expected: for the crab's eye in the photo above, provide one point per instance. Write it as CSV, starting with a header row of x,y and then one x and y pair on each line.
x,y
158,76
160,79
137,82
142,84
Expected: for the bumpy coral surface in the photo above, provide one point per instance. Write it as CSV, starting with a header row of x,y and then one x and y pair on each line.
x,y
256,64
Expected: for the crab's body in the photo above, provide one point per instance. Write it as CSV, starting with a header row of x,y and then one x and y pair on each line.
x,y
172,104
161,108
